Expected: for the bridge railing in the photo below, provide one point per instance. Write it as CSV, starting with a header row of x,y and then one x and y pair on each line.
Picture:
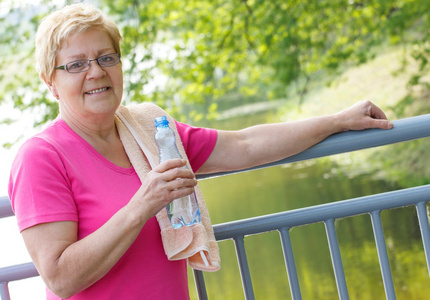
x,y
283,222
404,130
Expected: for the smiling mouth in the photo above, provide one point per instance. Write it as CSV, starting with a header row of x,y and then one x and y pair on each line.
x,y
97,91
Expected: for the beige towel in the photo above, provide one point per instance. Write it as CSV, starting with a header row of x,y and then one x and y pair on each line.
x,y
136,129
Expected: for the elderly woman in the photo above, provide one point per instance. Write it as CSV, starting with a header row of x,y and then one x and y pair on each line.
x,y
86,217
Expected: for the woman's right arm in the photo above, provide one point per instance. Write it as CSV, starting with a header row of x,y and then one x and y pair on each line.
x,y
68,265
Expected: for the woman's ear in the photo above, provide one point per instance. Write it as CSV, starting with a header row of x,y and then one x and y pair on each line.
x,y
52,89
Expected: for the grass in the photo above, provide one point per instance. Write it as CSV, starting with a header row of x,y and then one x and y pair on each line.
x,y
382,80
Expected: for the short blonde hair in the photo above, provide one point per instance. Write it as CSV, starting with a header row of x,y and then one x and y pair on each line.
x,y
64,23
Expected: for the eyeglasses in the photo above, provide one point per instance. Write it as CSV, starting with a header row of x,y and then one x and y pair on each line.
x,y
78,66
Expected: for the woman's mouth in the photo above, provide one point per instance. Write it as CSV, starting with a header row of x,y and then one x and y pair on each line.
x,y
97,90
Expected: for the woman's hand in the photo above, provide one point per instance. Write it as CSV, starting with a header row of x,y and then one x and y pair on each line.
x,y
362,115
165,183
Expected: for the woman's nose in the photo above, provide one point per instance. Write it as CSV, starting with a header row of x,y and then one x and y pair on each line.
x,y
95,70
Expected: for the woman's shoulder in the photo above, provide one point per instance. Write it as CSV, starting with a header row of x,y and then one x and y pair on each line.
x,y
144,109
49,139
143,114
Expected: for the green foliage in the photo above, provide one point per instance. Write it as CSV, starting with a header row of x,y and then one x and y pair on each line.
x,y
20,83
188,55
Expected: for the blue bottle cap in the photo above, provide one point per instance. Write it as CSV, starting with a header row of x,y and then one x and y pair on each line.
x,y
161,121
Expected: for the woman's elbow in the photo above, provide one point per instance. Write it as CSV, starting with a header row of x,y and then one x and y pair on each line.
x,y
62,287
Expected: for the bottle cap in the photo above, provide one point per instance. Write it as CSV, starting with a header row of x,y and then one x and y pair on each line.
x,y
161,121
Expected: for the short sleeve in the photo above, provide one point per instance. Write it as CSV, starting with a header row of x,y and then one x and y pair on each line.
x,y
198,142
39,188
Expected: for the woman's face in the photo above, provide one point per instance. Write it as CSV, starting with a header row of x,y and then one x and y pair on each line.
x,y
92,93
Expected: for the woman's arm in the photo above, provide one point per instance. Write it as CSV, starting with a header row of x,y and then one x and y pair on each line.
x,y
262,144
68,265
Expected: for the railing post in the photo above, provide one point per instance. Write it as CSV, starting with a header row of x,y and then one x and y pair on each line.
x,y
383,255
290,264
425,231
4,291
244,268
336,259
200,285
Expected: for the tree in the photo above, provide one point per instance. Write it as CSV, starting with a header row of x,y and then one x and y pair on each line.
x,y
182,53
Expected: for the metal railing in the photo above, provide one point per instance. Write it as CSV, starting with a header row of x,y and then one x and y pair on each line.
x,y
328,214
404,130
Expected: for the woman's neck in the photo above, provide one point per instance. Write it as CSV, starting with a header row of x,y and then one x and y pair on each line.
x,y
102,135
96,126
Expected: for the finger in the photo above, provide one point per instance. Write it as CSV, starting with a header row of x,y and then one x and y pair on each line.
x,y
178,173
376,113
379,119
170,164
178,193
181,183
381,123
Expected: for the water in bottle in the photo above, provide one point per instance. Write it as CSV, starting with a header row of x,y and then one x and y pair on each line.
x,y
185,210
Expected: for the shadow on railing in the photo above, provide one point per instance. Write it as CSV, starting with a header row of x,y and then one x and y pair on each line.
x,y
404,130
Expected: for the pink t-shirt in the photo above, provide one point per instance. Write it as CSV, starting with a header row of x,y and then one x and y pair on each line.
x,y
58,176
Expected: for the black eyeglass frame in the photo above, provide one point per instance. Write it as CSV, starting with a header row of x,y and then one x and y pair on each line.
x,y
88,61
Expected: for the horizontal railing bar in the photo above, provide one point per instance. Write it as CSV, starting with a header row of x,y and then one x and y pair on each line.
x,y
320,213
404,130
18,272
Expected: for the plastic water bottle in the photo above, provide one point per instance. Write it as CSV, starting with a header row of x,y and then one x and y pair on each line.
x,y
185,210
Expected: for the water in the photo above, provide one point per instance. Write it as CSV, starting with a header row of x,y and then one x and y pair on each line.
x,y
184,211
305,184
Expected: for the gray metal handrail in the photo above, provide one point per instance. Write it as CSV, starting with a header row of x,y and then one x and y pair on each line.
x,y
404,130
323,212
327,214
13,273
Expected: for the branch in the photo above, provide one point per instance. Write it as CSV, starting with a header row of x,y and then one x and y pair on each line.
x,y
221,45
250,15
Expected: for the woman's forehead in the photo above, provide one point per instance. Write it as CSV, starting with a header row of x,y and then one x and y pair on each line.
x,y
81,45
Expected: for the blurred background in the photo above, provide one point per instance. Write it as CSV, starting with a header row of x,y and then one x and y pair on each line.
x,y
230,64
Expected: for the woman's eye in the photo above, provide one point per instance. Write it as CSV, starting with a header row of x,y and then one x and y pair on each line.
x,y
76,65
105,59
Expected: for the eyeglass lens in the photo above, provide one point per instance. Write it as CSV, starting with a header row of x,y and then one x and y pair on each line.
x,y
84,65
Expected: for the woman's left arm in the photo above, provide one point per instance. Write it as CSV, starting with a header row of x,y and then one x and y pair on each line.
x,y
262,144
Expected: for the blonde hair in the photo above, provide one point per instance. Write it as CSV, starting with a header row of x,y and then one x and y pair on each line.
x,y
64,23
